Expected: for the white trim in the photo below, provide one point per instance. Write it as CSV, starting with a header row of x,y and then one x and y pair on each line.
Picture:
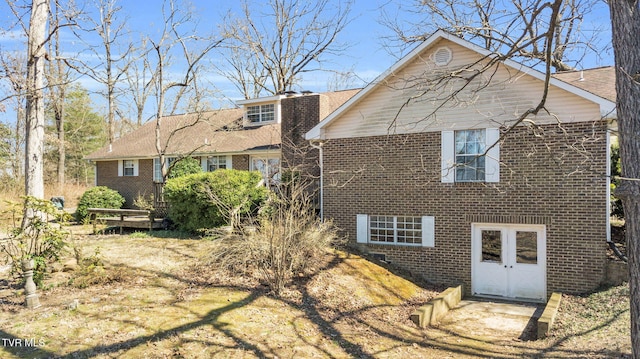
x,y
492,158
120,168
258,100
448,165
508,258
607,108
204,163
229,162
136,167
157,170
428,231
362,228
277,109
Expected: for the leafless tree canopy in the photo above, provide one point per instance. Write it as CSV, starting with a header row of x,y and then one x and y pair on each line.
x,y
515,27
269,47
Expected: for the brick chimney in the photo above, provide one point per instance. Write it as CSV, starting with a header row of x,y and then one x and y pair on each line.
x,y
299,114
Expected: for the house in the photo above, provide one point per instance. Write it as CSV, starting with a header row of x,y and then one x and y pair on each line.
x,y
252,137
434,168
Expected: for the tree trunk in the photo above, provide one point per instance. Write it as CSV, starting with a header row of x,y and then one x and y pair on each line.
x,y
625,25
34,152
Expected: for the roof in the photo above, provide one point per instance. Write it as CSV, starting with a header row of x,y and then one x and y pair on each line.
x,y
607,106
218,131
199,132
599,81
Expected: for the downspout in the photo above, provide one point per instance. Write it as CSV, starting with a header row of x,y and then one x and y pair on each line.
x,y
321,163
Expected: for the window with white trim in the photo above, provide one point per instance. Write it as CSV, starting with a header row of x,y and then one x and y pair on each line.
x,y
269,167
471,155
216,163
157,169
261,113
470,159
397,230
128,168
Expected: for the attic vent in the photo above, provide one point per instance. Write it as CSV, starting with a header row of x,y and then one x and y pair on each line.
x,y
442,56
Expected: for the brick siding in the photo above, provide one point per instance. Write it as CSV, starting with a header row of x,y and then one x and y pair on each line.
x,y
240,162
549,175
130,187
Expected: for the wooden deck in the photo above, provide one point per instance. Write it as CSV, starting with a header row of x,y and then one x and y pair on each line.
x,y
124,218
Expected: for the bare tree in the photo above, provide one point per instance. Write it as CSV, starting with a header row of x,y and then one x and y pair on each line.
x,y
34,151
57,79
268,53
625,21
140,79
12,69
519,27
115,55
176,38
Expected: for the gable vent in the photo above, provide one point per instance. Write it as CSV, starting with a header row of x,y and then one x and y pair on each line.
x,y
442,56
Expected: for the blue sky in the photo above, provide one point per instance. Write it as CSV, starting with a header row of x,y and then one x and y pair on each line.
x,y
366,54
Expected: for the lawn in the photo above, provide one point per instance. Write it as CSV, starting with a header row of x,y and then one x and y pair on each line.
x,y
138,296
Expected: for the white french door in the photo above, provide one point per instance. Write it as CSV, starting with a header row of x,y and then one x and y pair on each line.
x,y
509,261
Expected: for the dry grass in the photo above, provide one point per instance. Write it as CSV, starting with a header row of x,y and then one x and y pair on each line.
x,y
159,301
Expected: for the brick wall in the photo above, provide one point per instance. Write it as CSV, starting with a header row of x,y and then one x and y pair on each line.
x,y
549,175
240,162
130,187
299,115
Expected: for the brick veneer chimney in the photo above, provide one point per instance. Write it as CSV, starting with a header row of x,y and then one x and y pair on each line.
x,y
299,114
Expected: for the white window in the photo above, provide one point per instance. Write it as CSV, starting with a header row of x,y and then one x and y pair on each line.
x,y
216,163
128,168
261,113
157,169
471,155
470,159
269,167
399,230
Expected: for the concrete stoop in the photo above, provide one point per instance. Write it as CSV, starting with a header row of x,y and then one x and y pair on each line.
x,y
438,307
522,319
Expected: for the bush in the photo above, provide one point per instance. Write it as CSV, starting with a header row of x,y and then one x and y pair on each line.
x,y
290,240
212,199
38,238
98,197
184,167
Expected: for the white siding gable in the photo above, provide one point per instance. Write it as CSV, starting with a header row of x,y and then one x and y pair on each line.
x,y
492,98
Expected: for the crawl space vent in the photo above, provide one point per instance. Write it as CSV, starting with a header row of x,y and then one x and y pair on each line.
x,y
379,256
442,56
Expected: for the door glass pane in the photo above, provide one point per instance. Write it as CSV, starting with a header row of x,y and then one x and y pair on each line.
x,y
527,247
492,246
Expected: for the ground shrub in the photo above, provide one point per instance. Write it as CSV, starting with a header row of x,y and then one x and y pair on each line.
x,y
289,240
98,197
211,199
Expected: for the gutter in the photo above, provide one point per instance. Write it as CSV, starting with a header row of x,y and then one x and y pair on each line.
x,y
321,163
